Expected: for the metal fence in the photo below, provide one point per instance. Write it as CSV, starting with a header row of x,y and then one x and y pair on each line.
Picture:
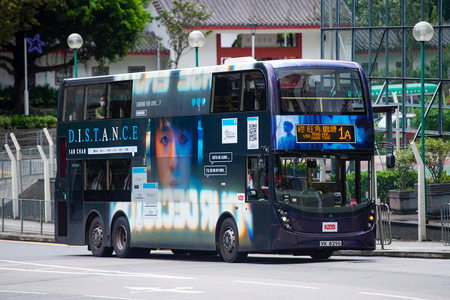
x,y
27,216
445,223
27,138
384,233
31,162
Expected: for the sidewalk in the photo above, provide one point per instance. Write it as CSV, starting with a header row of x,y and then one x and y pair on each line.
x,y
412,249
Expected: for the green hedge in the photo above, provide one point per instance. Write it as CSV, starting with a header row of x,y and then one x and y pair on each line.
x,y
8,122
386,180
390,180
40,97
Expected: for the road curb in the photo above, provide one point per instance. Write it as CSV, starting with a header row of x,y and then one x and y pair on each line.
x,y
27,238
395,253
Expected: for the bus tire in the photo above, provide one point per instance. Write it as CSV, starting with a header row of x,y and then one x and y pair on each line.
x,y
229,242
97,239
321,254
121,239
180,252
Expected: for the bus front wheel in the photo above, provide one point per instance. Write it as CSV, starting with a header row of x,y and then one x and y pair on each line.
x,y
321,254
229,242
97,239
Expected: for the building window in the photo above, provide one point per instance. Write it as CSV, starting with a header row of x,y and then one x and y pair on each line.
x,y
100,71
136,69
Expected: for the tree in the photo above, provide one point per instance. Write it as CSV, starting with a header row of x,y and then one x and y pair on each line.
x,y
109,29
179,22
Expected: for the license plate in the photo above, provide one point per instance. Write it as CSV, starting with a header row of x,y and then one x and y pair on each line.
x,y
330,243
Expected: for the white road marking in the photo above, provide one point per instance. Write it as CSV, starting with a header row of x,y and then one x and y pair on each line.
x,y
391,296
276,284
22,292
182,290
80,271
107,297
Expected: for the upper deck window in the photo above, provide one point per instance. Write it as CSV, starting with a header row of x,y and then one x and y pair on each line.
x,y
238,91
96,101
320,91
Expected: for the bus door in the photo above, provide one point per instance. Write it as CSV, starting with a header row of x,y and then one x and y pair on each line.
x,y
75,192
354,185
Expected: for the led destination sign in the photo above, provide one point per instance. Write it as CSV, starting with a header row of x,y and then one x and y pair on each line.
x,y
316,133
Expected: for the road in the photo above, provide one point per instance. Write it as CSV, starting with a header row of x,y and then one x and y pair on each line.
x,y
53,271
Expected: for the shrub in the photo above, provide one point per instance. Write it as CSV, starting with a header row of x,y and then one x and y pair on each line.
x,y
406,175
436,152
43,96
8,122
386,180
40,96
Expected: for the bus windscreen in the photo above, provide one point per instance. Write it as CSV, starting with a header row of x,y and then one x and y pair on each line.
x,y
320,91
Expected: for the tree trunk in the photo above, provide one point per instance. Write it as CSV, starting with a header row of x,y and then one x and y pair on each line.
x,y
16,105
17,98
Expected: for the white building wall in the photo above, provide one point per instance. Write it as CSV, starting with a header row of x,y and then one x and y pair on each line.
x,y
310,43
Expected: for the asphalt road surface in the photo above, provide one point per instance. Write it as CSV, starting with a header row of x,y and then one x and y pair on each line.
x,y
53,271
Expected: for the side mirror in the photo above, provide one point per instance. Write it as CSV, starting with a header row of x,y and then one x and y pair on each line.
x,y
261,161
390,161
261,156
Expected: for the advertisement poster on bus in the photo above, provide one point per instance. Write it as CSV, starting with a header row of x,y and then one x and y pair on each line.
x,y
183,179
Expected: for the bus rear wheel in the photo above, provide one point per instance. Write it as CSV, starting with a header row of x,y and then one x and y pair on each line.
x,y
229,242
121,239
97,239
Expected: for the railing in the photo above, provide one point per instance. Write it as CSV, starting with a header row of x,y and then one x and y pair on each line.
x,y
384,233
31,163
27,138
27,216
445,223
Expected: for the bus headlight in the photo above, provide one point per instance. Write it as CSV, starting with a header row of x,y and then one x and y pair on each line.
x,y
283,215
371,219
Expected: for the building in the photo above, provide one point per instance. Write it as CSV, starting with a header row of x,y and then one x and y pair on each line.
x,y
281,29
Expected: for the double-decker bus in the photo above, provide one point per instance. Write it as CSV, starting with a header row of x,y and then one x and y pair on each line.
x,y
246,157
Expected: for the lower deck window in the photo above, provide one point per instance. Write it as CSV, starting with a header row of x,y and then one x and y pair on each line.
x,y
107,180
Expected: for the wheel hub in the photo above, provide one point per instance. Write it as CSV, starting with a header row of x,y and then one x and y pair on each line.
x,y
229,240
97,237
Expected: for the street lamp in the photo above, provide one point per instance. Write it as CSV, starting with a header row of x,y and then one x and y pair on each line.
x,y
253,27
75,41
423,32
196,40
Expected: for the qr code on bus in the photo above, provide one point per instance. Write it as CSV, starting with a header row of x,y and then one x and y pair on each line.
x,y
252,132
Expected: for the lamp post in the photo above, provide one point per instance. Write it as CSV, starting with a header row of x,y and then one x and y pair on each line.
x,y
253,27
423,32
75,41
196,40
